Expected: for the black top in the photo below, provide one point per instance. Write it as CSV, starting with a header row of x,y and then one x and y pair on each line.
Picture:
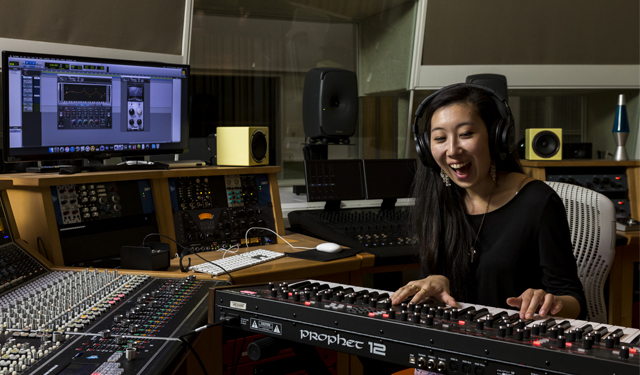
x,y
526,244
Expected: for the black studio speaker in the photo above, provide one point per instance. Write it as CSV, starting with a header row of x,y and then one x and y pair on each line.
x,y
330,104
577,151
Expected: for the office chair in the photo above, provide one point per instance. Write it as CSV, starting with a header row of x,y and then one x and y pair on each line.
x,y
591,217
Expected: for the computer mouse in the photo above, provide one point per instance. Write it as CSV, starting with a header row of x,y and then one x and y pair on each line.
x,y
329,247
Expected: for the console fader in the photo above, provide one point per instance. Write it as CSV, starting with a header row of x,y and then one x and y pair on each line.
x,y
215,212
92,321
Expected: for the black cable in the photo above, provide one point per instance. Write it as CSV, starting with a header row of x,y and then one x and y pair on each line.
x,y
204,370
235,368
186,251
46,253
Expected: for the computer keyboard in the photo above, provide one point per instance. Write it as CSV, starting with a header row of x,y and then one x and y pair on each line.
x,y
237,262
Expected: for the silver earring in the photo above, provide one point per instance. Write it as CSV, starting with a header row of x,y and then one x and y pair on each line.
x,y
492,171
445,178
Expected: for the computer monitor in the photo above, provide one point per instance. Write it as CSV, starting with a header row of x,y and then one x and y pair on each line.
x,y
69,107
389,178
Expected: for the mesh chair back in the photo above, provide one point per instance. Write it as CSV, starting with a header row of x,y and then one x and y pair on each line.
x,y
591,217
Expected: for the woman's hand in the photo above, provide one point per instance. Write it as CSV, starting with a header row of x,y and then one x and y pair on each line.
x,y
531,299
435,286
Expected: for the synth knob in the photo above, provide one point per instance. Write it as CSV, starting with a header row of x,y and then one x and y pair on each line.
x,y
307,295
392,314
535,330
139,122
402,316
429,320
385,304
415,318
502,331
447,315
139,111
608,342
373,302
553,332
365,299
488,320
596,337
587,343
440,312
624,352
527,332
454,314
509,329
296,297
571,335
562,342
131,122
273,293
480,324
543,328
520,324
616,340
411,306
519,334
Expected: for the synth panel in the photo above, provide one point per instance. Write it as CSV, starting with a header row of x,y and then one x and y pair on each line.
x,y
471,339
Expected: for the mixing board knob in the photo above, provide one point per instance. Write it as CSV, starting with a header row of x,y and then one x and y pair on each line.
x,y
553,332
130,354
519,334
535,330
480,324
415,318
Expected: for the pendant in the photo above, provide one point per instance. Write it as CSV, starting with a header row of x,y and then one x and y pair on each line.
x,y
472,254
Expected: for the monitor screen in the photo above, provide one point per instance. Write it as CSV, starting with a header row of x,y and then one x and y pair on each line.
x,y
389,178
333,180
65,107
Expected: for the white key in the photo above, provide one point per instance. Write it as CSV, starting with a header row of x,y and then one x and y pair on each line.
x,y
630,334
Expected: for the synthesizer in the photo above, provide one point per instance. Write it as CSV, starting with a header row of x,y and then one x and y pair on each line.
x,y
471,339
91,321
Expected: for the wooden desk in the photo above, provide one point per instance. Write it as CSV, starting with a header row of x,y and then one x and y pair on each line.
x,y
34,209
621,281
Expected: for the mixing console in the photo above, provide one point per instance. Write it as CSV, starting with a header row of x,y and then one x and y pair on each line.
x,y
56,322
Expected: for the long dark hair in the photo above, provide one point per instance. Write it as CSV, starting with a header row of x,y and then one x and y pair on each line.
x,y
439,222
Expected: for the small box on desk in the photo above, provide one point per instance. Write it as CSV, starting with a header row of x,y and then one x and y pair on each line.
x,y
153,258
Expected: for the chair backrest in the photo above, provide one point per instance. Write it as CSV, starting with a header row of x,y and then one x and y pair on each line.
x,y
591,217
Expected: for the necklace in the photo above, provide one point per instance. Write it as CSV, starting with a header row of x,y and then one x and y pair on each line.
x,y
473,254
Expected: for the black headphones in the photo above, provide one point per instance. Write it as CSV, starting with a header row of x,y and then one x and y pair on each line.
x,y
502,135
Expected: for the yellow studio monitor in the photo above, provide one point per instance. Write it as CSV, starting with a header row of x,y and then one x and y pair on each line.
x,y
543,144
242,145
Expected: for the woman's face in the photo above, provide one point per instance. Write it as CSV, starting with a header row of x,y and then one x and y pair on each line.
x,y
460,144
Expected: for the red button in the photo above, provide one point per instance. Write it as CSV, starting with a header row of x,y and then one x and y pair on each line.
x,y
307,303
372,314
462,322
536,343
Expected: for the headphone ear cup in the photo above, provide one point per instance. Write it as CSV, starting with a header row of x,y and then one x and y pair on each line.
x,y
503,139
425,150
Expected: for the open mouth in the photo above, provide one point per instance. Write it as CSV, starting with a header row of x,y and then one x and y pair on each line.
x,y
461,169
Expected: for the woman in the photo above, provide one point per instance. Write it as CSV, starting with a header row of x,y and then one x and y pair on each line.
x,y
488,234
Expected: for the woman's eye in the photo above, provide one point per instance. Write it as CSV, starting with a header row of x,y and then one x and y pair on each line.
x,y
466,134
438,139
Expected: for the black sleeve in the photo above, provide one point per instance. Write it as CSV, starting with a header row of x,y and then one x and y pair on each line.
x,y
559,268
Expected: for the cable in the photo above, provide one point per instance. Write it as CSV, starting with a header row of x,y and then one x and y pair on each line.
x,y
185,252
244,337
246,237
40,241
204,370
